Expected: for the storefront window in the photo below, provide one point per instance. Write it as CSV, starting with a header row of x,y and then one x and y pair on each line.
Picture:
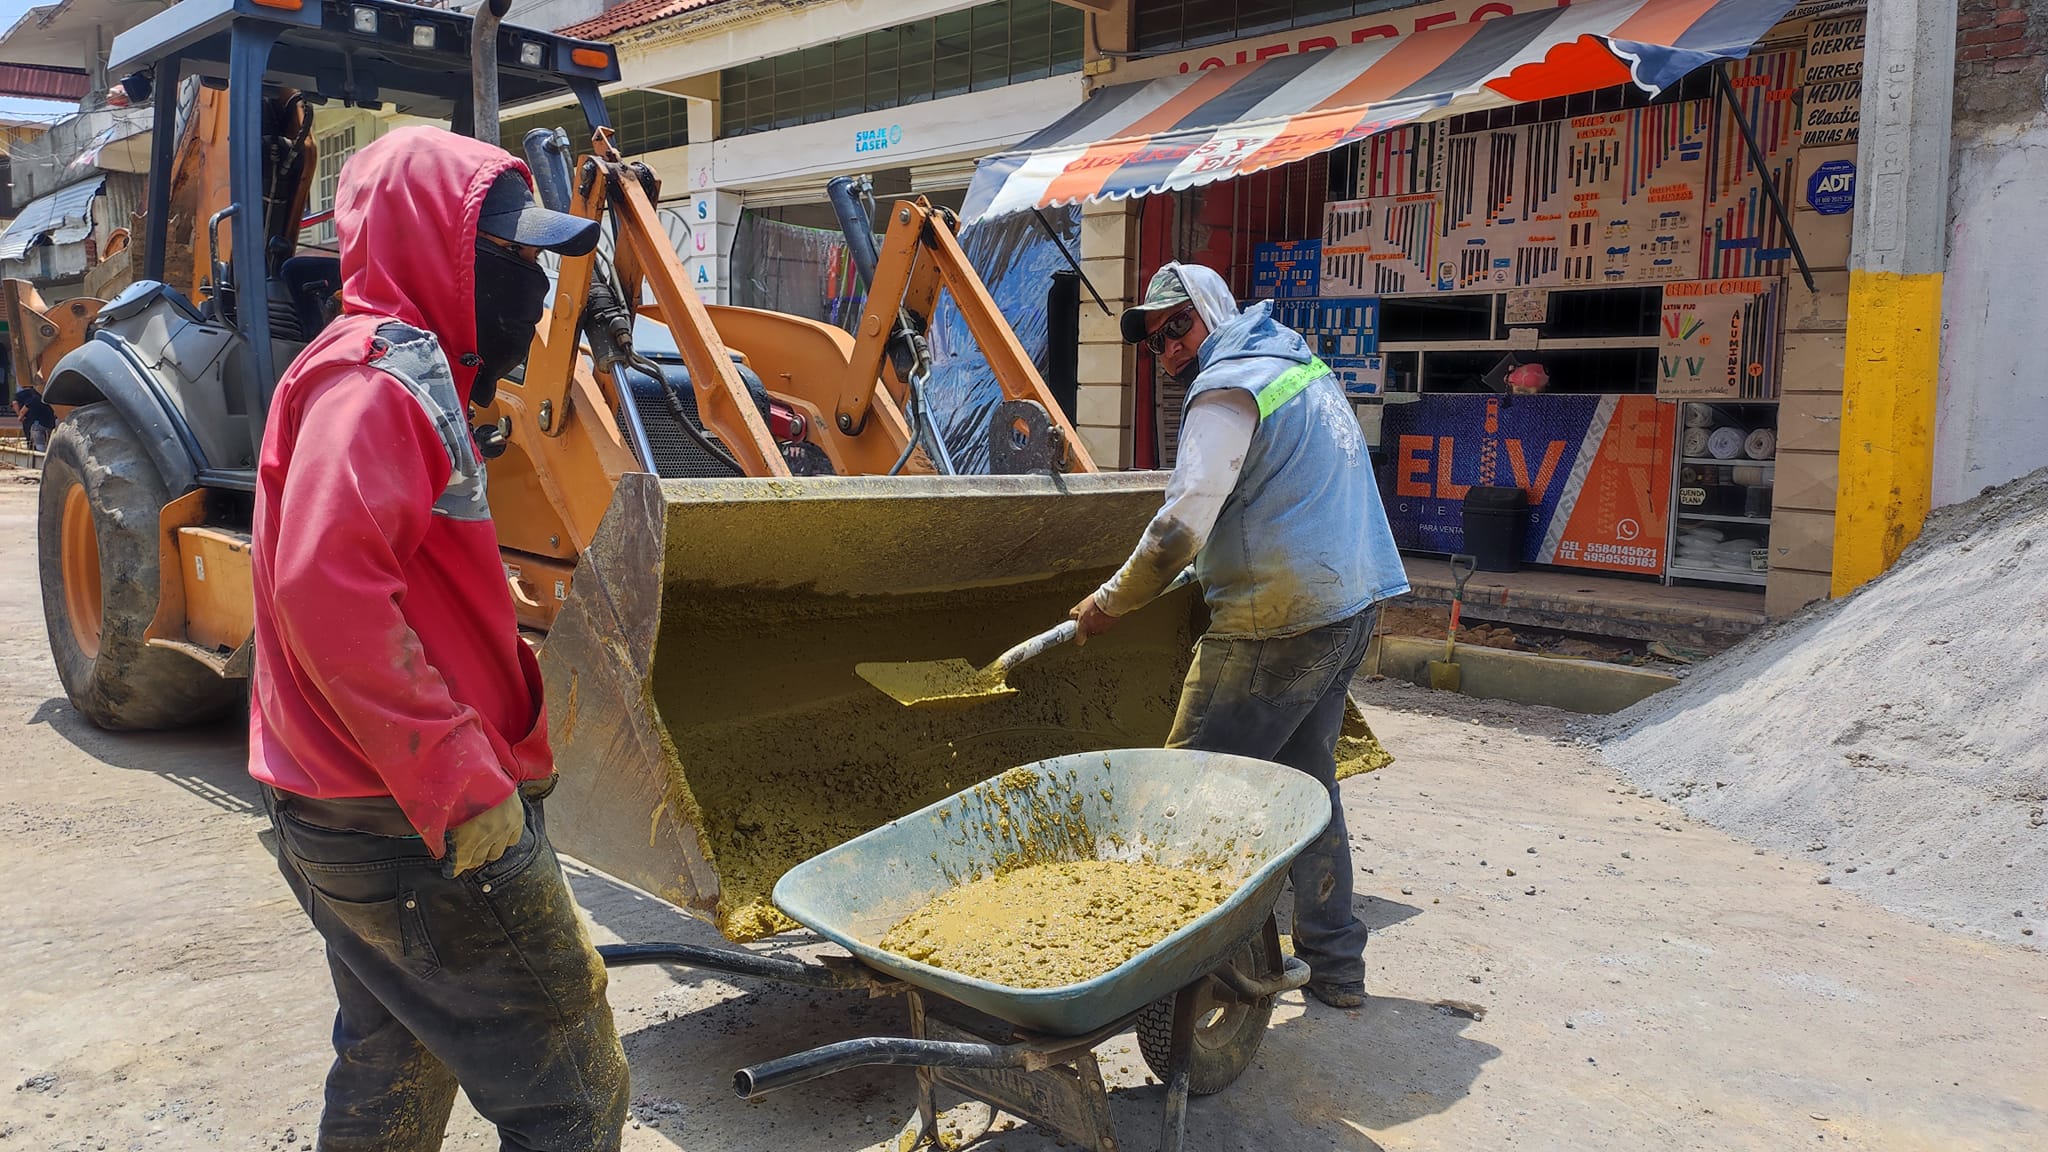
x,y
1165,25
974,50
645,122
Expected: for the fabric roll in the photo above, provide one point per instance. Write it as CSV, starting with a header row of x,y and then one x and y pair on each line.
x,y
1725,443
1751,476
1699,416
1696,441
1761,444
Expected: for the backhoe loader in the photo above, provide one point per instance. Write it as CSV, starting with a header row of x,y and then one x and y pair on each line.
x,y
702,548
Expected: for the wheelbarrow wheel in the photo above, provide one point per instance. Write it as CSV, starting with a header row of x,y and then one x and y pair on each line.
x,y
1228,1028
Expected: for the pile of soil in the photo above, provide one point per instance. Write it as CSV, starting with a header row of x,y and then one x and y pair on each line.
x,y
1899,735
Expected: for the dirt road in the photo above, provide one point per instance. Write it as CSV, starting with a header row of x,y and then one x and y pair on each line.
x,y
1557,964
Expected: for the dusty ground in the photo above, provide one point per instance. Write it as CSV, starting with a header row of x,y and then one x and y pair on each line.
x,y
1641,981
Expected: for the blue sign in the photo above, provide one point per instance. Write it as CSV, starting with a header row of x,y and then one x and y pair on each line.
x,y
877,139
1360,375
1345,326
1287,270
1442,444
1832,187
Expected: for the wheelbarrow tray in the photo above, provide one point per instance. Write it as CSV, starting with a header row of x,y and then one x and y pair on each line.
x,y
1244,818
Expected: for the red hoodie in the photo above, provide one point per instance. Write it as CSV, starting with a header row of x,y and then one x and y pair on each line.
x,y
388,657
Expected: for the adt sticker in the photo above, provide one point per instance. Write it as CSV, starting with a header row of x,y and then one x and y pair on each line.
x,y
1832,187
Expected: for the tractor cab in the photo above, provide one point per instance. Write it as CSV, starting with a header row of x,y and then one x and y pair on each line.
x,y
239,86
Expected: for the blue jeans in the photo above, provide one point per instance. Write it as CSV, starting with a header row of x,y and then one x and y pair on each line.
x,y
487,980
1283,700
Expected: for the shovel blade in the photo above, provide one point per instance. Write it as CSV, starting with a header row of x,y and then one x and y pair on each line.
x,y
1444,676
932,683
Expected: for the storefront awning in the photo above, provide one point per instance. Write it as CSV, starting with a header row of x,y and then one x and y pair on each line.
x,y
1192,129
64,215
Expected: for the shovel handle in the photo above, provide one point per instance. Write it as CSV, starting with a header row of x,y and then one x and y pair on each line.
x,y
1065,631
1469,565
1038,645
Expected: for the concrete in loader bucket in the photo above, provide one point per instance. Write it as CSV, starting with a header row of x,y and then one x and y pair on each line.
x,y
708,725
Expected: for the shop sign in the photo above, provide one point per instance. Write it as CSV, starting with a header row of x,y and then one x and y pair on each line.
x,y
1597,470
1832,101
877,139
1831,190
1719,340
960,127
1383,26
693,227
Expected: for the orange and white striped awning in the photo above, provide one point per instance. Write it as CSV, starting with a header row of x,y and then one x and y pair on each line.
x,y
1195,128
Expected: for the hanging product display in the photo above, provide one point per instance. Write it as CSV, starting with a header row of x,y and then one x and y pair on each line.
x,y
1744,236
1611,198
1288,270
1720,340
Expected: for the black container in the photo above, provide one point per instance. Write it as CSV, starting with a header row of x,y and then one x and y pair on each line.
x,y
1495,520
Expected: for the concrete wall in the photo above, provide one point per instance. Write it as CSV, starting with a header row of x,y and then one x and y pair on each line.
x,y
1991,422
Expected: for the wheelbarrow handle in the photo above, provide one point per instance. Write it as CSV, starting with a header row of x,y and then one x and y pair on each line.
x,y
737,962
868,1051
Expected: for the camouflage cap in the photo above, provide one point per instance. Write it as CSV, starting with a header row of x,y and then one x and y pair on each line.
x,y
1166,292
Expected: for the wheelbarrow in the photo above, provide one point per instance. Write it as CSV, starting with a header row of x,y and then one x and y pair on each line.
x,y
1199,999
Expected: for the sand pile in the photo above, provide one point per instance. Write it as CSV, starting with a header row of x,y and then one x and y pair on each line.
x,y
1898,737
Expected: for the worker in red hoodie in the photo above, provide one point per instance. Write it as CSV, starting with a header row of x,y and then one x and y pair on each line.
x,y
397,723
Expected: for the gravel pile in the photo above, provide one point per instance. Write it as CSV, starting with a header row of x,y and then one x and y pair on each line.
x,y
1899,735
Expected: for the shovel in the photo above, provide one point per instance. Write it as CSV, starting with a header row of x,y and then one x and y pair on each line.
x,y
955,683
1444,675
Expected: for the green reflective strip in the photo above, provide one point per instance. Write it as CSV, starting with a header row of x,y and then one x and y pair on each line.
x,y
1289,384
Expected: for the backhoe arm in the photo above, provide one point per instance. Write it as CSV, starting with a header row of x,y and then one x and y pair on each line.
x,y
919,256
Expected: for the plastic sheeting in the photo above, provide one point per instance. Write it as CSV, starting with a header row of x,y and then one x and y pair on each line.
x,y
1016,259
805,272
801,271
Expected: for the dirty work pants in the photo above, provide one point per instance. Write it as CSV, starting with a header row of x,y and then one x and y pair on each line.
x,y
487,980
1283,700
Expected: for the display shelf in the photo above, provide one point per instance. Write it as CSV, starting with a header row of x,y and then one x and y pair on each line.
x,y
1737,463
1719,518
1721,575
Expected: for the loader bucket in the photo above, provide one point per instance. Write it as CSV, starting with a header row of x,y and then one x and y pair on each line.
x,y
708,725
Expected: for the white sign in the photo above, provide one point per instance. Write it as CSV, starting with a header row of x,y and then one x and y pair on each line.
x,y
958,127
700,227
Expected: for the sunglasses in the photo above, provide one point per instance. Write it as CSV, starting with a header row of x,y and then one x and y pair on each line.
x,y
1176,326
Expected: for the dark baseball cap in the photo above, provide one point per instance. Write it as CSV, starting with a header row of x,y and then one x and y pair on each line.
x,y
510,213
1165,293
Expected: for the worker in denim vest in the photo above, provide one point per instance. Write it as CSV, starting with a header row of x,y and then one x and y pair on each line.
x,y
1272,498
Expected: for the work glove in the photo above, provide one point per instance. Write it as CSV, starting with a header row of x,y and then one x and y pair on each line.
x,y
489,834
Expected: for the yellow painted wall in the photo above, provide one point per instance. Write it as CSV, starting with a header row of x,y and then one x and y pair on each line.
x,y
1888,390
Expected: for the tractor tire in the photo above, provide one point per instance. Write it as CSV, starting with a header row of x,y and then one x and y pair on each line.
x,y
1226,1038
97,558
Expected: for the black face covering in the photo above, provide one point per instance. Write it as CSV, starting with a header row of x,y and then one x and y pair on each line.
x,y
510,294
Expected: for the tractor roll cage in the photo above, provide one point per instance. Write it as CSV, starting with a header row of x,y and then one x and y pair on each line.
x,y
367,53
